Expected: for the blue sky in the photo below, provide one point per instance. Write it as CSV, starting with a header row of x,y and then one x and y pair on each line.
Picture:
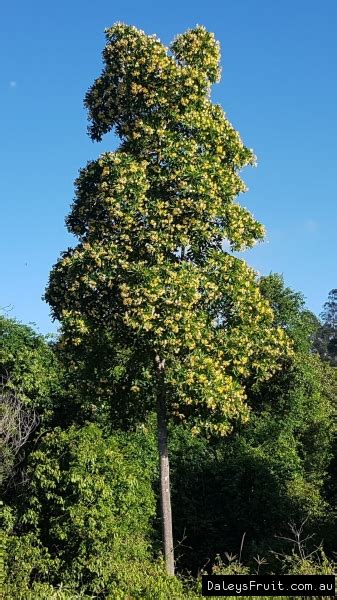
x,y
279,89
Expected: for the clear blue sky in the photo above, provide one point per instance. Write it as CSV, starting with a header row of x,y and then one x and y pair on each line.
x,y
279,89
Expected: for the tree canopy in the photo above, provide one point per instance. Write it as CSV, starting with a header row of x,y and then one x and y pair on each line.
x,y
151,218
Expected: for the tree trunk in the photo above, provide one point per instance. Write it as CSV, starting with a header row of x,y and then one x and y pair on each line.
x,y
164,467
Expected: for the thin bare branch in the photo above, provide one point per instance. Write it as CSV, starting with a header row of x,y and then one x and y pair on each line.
x,y
17,422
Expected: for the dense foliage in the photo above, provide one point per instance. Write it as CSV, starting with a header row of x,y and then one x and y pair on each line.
x,y
84,513
273,470
29,365
82,522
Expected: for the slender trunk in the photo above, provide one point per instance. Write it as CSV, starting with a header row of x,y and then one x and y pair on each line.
x,y
164,467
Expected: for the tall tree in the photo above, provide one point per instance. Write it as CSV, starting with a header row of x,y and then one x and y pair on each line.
x,y
150,218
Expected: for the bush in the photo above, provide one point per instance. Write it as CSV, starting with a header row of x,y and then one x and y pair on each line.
x,y
84,512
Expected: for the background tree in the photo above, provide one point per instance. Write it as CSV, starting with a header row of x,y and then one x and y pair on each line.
x,y
149,269
290,311
30,392
326,338
28,364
